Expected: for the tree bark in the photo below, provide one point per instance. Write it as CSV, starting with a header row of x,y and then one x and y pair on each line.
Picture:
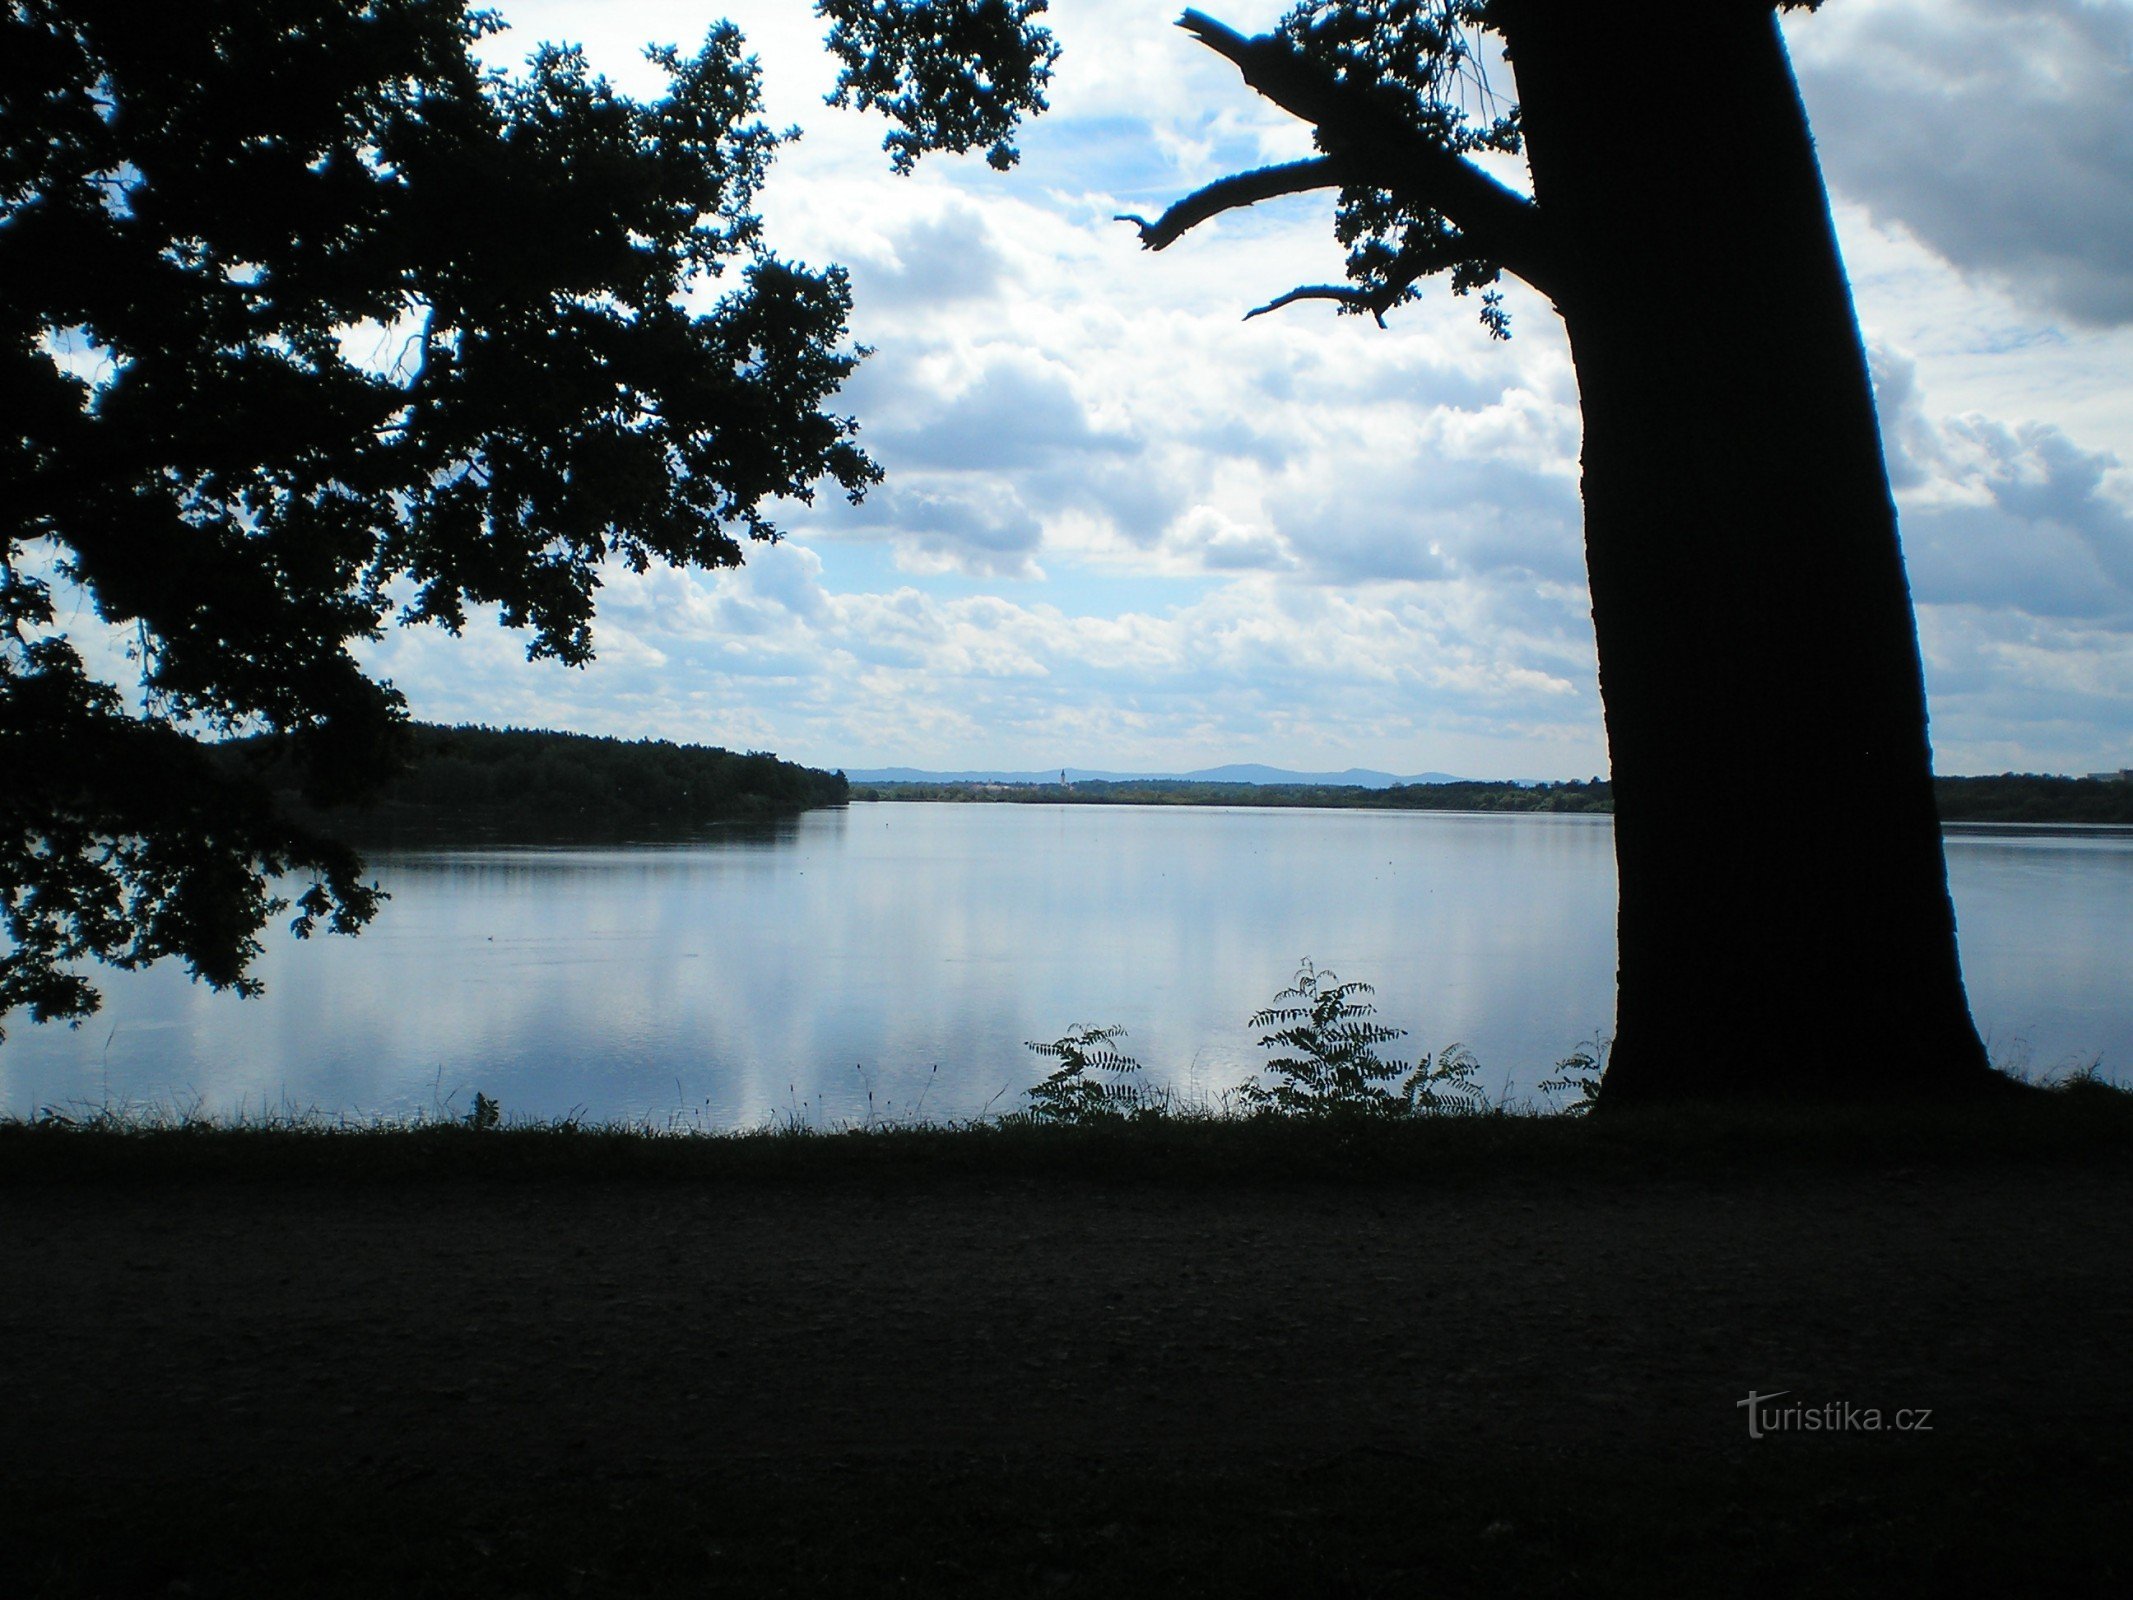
x,y
1785,926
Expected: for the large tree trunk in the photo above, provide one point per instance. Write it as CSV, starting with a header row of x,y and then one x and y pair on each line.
x,y
1785,927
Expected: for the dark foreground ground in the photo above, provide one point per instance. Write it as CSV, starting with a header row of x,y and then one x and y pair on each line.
x,y
1014,1376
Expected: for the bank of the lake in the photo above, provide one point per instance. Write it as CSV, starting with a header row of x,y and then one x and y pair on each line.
x,y
865,1366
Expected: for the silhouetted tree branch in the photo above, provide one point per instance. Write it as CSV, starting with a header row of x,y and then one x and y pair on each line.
x,y
1369,133
1229,194
1402,273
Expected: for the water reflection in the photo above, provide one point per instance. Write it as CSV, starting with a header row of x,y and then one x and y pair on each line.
x,y
791,969
2046,921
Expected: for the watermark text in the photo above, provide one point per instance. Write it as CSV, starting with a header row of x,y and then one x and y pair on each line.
x,y
1767,1416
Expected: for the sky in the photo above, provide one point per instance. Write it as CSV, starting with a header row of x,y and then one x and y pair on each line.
x,y
1125,529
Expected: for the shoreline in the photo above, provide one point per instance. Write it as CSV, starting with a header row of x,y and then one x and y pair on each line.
x,y
862,1369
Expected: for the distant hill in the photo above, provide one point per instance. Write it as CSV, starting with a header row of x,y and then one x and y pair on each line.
x,y
1357,777
1451,796
1246,772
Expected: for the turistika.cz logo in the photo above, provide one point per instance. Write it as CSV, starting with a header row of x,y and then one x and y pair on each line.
x,y
1832,1416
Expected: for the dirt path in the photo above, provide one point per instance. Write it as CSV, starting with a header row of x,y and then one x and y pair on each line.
x,y
484,1328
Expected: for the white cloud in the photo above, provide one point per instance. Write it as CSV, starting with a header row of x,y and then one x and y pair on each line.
x,y
942,258
2000,132
2019,541
981,531
1019,411
1206,536
2017,517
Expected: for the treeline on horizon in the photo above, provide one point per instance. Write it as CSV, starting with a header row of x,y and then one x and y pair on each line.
x,y
1594,795
480,784
2009,797
2029,797
477,783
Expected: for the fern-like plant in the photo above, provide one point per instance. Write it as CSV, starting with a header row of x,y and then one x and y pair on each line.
x,y
1445,1084
1092,1081
1331,1062
1330,1044
1578,1074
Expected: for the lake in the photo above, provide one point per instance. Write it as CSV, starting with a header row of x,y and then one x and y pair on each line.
x,y
906,951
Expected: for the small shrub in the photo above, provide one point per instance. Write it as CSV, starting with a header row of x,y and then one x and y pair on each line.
x,y
1578,1075
1446,1084
1071,1094
486,1115
1331,1061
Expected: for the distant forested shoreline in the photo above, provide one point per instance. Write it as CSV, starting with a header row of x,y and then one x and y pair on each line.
x,y
474,785
2026,797
1589,796
487,785
2011,797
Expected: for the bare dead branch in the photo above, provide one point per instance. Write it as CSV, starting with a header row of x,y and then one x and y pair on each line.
x,y
1377,145
1243,189
1347,296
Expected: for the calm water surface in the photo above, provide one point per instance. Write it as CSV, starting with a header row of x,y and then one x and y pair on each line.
x,y
796,970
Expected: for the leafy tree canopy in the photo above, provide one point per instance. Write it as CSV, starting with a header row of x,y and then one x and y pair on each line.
x,y
952,74
310,325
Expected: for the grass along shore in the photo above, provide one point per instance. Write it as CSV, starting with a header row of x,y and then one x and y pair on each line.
x,y
2077,1118
1481,1353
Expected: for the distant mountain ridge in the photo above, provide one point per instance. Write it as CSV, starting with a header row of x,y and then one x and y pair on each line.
x,y
1240,772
